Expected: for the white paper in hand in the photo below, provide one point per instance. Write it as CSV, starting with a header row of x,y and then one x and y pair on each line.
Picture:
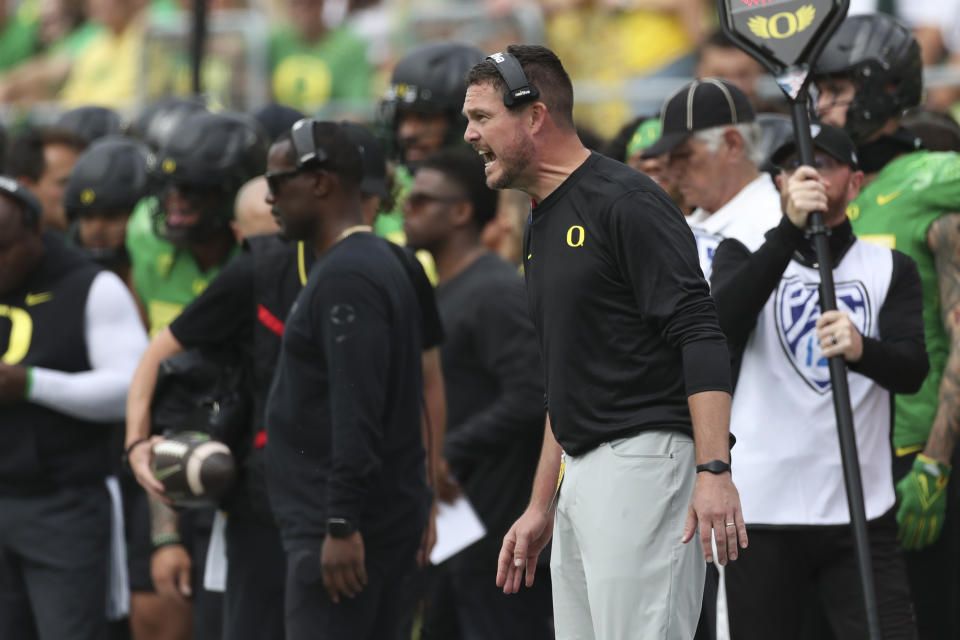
x,y
215,570
457,528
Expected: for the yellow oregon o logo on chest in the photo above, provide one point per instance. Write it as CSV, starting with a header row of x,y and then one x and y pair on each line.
x,y
21,333
575,236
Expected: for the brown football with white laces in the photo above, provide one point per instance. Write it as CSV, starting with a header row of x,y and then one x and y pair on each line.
x,y
195,470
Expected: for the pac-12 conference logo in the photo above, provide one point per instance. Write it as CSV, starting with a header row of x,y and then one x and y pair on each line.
x,y
797,308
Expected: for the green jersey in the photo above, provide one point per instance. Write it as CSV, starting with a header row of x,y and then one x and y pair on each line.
x,y
308,75
895,211
165,278
390,225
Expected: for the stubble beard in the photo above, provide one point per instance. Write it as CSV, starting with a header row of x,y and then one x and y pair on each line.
x,y
521,155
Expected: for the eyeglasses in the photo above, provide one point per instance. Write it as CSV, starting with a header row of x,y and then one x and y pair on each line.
x,y
821,162
417,200
276,179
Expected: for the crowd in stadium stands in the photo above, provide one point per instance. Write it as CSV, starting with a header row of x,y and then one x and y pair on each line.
x,y
112,172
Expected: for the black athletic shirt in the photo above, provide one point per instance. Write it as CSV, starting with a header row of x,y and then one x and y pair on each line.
x,y
626,323
225,311
494,385
343,415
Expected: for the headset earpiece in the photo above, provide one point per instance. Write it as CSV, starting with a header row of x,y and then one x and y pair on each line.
x,y
519,89
304,144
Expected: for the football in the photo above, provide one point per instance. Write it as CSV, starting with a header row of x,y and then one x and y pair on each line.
x,y
195,469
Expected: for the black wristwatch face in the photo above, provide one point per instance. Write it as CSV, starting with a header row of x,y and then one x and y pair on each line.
x,y
340,528
714,466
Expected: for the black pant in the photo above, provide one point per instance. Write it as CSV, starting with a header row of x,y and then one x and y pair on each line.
x,y
256,570
373,615
54,554
466,604
769,584
707,625
934,572
195,526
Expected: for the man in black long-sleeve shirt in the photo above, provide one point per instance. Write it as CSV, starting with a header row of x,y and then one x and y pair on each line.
x,y
788,463
345,465
493,383
636,369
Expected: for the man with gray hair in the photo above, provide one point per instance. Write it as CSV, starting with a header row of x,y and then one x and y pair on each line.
x,y
710,133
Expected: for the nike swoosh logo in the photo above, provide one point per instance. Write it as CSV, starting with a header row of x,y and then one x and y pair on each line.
x,y
37,298
883,199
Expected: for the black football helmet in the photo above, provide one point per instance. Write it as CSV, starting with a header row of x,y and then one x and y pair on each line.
x,y
208,158
92,123
882,58
431,79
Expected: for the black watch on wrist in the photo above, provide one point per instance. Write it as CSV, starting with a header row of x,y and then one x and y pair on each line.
x,y
340,528
714,466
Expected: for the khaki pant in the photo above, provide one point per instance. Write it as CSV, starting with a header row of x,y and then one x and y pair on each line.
x,y
619,569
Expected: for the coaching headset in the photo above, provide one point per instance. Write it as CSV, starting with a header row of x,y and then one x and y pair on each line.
x,y
519,89
304,144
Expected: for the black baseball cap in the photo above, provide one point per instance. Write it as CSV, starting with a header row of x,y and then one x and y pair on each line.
x,y
702,104
277,119
829,139
32,210
374,161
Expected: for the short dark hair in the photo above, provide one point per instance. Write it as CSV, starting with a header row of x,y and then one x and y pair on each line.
x,y
343,156
26,150
543,70
464,167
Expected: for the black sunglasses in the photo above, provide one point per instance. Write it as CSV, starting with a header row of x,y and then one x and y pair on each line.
x,y
276,179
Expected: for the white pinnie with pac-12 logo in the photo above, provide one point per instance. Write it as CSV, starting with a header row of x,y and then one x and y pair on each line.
x,y
787,458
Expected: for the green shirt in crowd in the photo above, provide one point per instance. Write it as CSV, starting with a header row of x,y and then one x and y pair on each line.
x,y
308,75
19,35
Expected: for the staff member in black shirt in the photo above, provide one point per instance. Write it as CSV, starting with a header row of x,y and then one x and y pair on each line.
x,y
494,390
246,305
345,465
637,370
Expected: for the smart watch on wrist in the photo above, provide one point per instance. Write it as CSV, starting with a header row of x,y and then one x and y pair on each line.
x,y
340,528
714,466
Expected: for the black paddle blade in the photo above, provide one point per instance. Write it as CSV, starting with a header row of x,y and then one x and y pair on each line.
x,y
786,36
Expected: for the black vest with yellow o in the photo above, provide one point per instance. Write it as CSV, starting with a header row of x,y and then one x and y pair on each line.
x,y
42,324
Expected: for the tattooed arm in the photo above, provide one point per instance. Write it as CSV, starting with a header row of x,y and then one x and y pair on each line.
x,y
943,238
922,493
170,563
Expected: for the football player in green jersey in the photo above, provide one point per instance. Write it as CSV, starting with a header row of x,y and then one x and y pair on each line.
x,y
421,110
869,74
178,244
